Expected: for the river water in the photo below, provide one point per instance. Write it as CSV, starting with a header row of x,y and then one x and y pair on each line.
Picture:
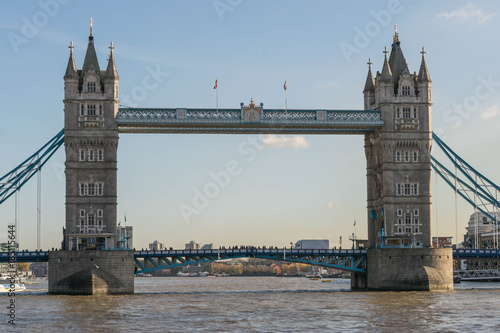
x,y
257,304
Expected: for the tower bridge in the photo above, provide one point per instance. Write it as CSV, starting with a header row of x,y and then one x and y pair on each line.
x,y
395,123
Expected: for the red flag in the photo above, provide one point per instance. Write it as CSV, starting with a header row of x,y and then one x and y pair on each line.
x,y
284,86
215,87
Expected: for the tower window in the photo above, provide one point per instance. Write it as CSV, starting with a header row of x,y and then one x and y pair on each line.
x,y
100,189
407,189
91,110
82,154
407,219
91,155
406,112
398,156
91,189
400,212
415,156
407,156
406,91
99,213
398,115
91,219
82,212
82,189
91,86
100,154
415,113
82,109
398,189
100,109
415,212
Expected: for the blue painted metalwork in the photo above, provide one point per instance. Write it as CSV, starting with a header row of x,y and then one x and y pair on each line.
x,y
350,260
476,189
476,254
29,256
275,121
16,178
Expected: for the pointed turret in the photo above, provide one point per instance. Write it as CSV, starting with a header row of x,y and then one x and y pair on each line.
x,y
370,84
397,60
111,76
90,56
111,72
386,75
71,71
423,74
369,91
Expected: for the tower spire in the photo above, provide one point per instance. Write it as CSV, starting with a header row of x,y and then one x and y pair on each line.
x,y
386,74
423,74
71,71
369,85
90,56
111,70
395,39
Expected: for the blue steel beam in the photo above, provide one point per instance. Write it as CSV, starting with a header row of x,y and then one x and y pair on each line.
x,y
351,260
15,179
358,256
474,176
478,186
448,177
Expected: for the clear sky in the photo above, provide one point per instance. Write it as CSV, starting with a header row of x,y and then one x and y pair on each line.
x,y
295,187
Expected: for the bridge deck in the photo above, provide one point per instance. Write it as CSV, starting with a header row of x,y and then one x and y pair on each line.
x,y
233,121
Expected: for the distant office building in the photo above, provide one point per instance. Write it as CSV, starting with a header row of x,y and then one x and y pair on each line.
x,y
125,237
192,245
156,246
482,231
207,246
442,241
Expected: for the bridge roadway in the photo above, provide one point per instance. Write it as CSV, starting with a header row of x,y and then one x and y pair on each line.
x,y
147,261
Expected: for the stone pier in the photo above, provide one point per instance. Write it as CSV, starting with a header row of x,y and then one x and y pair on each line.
x,y
91,272
420,269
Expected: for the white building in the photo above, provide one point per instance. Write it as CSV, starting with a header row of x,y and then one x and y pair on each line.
x,y
192,245
156,246
484,229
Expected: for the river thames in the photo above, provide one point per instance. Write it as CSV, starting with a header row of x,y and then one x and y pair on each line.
x,y
257,304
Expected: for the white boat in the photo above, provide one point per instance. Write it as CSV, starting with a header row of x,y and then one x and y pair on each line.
x,y
6,285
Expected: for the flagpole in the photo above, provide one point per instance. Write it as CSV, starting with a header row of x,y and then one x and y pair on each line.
x,y
286,106
216,87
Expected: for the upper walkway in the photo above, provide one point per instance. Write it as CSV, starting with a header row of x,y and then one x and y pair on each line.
x,y
247,120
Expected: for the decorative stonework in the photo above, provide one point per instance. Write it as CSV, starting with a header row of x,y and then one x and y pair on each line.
x,y
251,113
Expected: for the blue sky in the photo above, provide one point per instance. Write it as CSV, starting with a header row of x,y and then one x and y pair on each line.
x,y
295,187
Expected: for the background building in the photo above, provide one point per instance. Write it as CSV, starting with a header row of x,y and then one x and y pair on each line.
x,y
125,236
442,241
483,229
192,245
157,246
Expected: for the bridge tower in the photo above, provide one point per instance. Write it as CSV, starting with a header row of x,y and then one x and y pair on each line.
x,y
91,142
400,256
398,154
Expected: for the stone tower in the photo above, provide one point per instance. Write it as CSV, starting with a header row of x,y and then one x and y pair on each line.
x,y
91,142
398,154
